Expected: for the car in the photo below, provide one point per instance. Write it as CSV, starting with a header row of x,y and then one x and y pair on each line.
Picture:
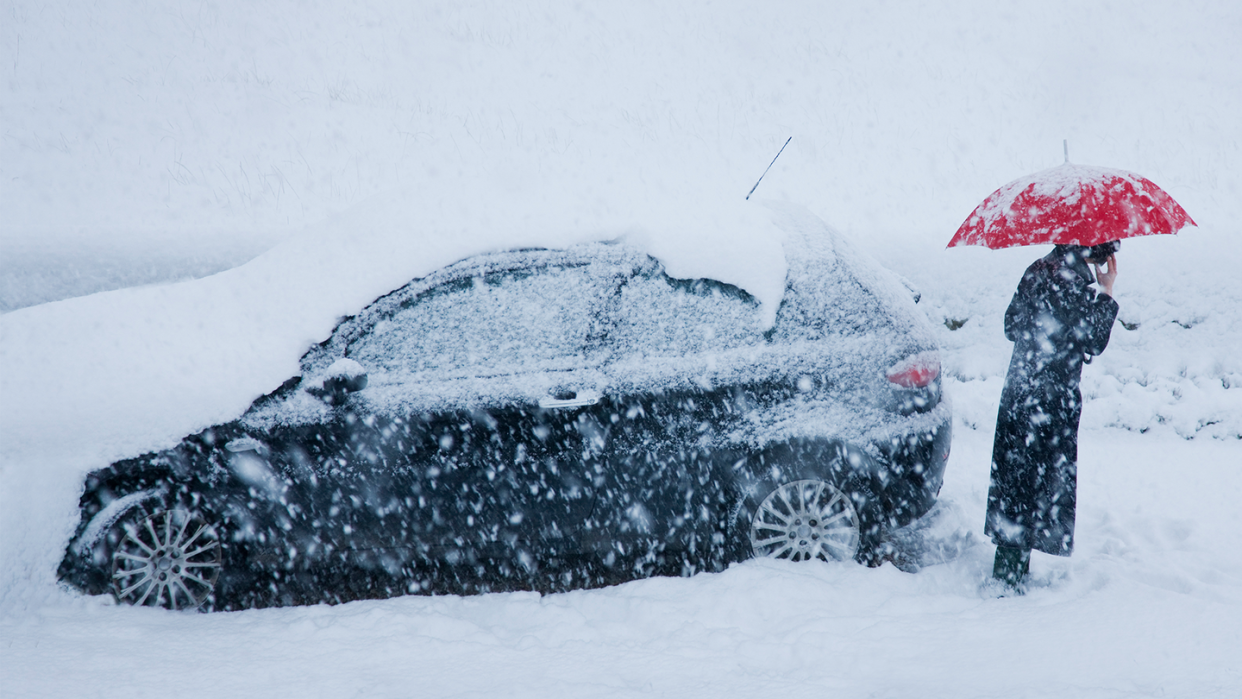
x,y
546,420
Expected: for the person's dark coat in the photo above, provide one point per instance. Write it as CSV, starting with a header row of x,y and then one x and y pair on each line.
x,y
1054,320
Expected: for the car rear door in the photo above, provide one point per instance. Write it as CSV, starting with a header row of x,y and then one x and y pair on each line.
x,y
676,349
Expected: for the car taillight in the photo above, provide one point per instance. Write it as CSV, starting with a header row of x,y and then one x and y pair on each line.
x,y
917,371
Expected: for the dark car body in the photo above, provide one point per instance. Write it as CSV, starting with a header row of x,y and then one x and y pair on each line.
x,y
551,420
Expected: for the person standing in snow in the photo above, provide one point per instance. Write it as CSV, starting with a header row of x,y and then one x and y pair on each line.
x,y
1056,321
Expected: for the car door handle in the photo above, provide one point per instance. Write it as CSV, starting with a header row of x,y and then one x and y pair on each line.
x,y
570,399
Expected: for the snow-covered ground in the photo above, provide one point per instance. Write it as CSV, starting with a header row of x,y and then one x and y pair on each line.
x,y
1148,606
339,150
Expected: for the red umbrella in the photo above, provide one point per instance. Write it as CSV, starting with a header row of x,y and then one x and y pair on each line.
x,y
1072,204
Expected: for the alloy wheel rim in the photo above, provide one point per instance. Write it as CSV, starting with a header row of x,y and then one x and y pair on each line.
x,y
170,559
803,520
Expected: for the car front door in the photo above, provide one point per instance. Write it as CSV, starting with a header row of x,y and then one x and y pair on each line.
x,y
502,368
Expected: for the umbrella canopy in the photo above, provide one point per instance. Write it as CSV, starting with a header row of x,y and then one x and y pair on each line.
x,y
1072,204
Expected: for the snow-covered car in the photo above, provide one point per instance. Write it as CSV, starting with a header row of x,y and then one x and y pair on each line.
x,y
546,420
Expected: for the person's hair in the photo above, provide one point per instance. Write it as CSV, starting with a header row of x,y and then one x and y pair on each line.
x,y
1096,254
1099,254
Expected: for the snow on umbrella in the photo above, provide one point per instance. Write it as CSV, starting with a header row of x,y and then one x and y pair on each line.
x,y
1072,204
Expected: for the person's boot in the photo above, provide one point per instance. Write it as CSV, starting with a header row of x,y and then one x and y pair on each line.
x,y
1011,566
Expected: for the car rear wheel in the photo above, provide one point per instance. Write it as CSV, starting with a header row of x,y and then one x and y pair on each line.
x,y
804,520
169,559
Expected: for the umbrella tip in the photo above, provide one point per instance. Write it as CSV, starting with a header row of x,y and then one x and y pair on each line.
x,y
1065,145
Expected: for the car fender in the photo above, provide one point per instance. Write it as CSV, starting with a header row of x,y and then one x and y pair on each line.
x,y
838,462
106,517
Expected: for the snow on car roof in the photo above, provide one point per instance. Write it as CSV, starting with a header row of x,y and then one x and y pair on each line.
x,y
456,337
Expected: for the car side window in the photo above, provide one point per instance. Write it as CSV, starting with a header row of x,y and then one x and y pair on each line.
x,y
533,319
656,316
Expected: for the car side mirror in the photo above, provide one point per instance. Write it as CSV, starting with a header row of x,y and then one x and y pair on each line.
x,y
343,377
909,285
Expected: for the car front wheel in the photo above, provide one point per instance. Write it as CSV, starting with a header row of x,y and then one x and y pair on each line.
x,y
804,520
169,559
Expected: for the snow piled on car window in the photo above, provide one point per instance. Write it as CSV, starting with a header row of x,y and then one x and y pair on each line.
x,y
518,320
511,307
656,316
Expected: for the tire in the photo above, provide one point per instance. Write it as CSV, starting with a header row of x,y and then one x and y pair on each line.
x,y
169,558
805,520
844,468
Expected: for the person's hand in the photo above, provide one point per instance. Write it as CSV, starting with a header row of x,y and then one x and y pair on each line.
x,y
1107,276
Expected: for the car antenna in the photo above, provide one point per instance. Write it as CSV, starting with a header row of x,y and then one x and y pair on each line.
x,y
1065,145
769,167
